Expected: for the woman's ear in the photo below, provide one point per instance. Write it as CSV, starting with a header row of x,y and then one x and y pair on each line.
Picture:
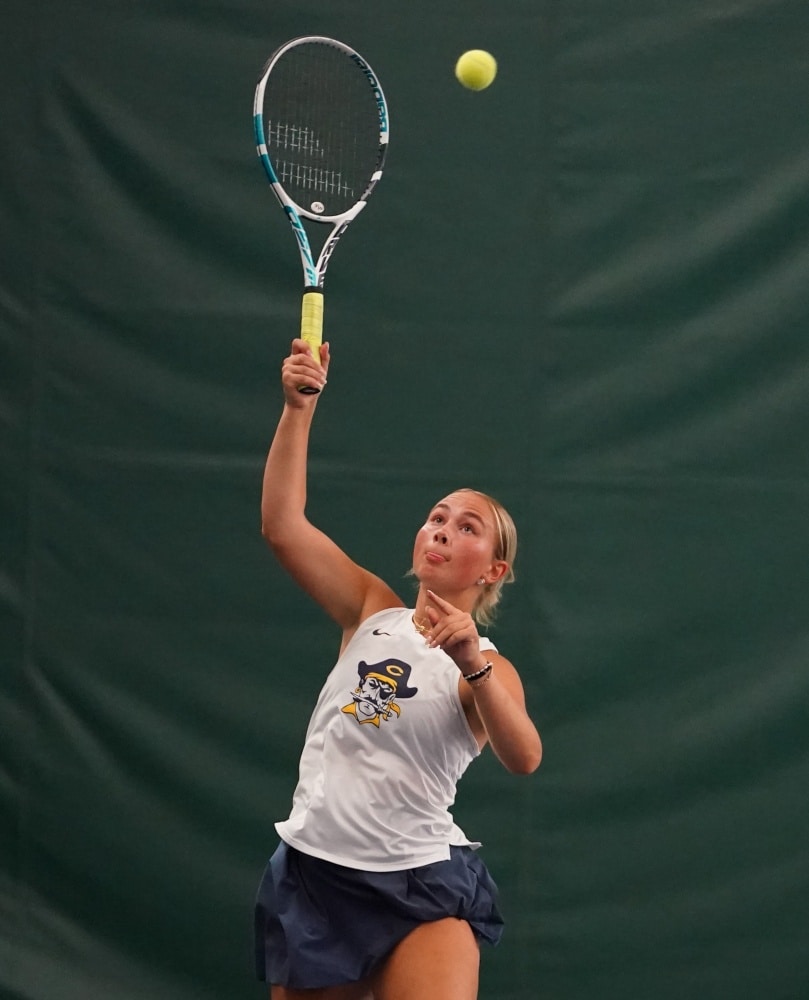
x,y
496,571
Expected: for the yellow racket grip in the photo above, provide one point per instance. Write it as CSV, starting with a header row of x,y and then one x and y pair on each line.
x,y
312,327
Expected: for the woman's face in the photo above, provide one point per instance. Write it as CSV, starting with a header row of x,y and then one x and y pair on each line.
x,y
455,546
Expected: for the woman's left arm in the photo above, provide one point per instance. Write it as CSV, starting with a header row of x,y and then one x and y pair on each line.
x,y
495,708
494,702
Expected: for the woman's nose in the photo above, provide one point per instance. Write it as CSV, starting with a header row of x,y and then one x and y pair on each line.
x,y
440,536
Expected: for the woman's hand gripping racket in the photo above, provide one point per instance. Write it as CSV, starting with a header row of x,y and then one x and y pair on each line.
x,y
321,125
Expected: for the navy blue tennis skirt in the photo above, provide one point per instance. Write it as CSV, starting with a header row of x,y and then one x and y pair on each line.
x,y
319,924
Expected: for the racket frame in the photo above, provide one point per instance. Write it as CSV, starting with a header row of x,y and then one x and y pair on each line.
x,y
314,270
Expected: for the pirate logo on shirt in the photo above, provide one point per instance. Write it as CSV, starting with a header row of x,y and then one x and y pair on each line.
x,y
380,685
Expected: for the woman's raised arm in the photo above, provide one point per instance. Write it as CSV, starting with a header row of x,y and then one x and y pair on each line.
x,y
346,592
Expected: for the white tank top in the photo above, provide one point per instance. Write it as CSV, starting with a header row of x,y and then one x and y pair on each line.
x,y
386,744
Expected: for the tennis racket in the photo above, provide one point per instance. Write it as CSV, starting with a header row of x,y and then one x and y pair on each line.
x,y
321,126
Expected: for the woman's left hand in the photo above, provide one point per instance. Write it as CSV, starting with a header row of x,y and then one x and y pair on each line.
x,y
495,711
454,632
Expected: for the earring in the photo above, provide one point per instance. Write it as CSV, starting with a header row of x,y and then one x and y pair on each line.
x,y
481,581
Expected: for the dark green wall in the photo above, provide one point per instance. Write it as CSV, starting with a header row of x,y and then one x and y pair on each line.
x,y
585,290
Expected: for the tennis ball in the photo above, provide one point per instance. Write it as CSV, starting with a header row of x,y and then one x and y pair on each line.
x,y
476,69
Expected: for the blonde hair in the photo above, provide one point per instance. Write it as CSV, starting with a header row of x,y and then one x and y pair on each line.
x,y
505,548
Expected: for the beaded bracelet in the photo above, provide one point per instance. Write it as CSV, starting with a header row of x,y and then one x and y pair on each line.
x,y
478,675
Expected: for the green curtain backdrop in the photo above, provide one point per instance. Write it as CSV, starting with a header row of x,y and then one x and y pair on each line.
x,y
584,290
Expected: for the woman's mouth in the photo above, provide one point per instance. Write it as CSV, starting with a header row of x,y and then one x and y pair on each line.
x,y
434,557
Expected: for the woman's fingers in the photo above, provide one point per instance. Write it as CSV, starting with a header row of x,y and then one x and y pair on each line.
x,y
300,370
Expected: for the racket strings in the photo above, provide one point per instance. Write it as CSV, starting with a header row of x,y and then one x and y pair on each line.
x,y
321,128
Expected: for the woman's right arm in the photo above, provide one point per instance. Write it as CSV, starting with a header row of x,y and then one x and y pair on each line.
x,y
347,592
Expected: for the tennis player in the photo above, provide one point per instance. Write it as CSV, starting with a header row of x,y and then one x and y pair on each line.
x,y
374,891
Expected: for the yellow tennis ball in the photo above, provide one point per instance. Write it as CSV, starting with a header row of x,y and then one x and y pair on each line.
x,y
476,69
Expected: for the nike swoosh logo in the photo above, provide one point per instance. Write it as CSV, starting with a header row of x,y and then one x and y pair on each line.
x,y
378,631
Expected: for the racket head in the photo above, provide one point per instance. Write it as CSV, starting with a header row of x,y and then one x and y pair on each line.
x,y
321,125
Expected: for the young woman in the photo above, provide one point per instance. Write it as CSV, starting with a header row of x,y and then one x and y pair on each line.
x,y
374,892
